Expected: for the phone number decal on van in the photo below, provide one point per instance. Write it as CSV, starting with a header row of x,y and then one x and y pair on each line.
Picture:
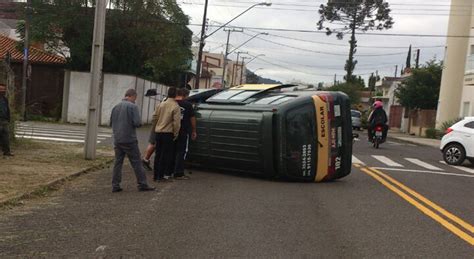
x,y
306,161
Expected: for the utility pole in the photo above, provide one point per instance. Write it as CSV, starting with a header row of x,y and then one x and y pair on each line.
x,y
227,52
396,70
96,74
242,70
234,72
26,54
201,47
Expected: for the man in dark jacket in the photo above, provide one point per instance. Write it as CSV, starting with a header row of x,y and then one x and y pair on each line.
x,y
377,117
4,122
125,118
186,131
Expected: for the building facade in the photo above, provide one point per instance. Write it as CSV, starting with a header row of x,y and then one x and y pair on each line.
x,y
457,84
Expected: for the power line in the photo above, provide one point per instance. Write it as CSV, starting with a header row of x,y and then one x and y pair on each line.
x,y
357,33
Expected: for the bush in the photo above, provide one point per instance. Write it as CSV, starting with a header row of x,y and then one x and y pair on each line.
x,y
432,133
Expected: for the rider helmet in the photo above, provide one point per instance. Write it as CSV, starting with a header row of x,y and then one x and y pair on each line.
x,y
377,104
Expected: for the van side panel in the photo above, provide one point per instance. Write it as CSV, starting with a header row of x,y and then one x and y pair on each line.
x,y
233,139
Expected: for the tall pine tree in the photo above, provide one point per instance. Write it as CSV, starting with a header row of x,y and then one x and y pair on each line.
x,y
351,16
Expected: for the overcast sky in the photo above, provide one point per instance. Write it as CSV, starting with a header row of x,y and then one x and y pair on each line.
x,y
303,60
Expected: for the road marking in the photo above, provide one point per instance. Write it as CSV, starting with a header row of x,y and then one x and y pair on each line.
x,y
355,160
58,135
423,164
53,139
422,171
462,168
451,216
383,179
387,161
34,131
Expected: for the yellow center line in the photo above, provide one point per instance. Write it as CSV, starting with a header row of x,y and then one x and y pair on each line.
x,y
433,205
455,230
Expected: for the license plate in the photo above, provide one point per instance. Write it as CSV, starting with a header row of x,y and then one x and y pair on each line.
x,y
378,133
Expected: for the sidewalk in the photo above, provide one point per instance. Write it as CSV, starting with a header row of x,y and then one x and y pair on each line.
x,y
414,139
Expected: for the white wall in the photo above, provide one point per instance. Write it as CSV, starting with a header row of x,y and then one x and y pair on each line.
x,y
114,88
467,96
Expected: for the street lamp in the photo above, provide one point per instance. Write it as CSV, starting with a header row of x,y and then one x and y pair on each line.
x,y
253,37
204,36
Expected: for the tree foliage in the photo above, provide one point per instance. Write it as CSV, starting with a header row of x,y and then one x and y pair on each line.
x,y
351,89
421,89
351,16
148,38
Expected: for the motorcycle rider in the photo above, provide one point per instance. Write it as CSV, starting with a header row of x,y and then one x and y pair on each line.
x,y
377,117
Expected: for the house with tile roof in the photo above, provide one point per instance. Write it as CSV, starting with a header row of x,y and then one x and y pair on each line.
x,y
45,79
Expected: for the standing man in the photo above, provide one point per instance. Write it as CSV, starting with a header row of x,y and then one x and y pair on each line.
x,y
4,121
124,120
187,130
168,122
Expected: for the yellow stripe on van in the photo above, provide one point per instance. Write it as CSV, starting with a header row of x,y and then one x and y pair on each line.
x,y
322,129
255,87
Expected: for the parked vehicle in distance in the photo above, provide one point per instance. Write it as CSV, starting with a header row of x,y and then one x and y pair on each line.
x,y
277,131
457,144
356,119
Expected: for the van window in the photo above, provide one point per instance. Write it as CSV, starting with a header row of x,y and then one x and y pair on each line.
x,y
226,95
269,99
282,100
243,95
300,141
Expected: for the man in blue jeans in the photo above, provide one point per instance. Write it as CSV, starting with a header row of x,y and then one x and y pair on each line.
x,y
124,120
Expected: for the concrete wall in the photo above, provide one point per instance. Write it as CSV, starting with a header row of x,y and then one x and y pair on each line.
x,y
76,96
452,81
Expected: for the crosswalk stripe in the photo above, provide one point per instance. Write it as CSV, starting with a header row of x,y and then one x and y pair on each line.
x,y
80,137
53,139
462,168
53,133
106,134
387,161
355,160
423,164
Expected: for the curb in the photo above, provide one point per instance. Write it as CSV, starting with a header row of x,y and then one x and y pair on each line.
x,y
53,185
408,140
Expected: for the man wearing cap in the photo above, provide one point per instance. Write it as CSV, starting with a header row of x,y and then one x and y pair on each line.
x,y
124,120
4,122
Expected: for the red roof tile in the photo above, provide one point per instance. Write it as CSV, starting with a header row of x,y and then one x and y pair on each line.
x,y
37,56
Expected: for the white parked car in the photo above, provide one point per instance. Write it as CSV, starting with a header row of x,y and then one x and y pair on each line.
x,y
458,142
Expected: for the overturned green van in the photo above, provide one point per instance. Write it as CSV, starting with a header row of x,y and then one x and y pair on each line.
x,y
277,131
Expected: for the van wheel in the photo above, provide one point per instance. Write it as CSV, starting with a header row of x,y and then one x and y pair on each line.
x,y
454,154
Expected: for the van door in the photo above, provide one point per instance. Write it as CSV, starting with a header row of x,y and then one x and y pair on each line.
x,y
300,141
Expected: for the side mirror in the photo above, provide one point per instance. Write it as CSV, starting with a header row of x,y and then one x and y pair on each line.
x,y
151,92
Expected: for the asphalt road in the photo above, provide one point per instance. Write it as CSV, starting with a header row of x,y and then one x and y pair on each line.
x,y
227,215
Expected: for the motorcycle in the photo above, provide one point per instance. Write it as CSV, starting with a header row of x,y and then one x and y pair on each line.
x,y
378,136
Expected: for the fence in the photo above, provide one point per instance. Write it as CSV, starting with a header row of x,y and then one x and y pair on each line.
x,y
421,120
76,96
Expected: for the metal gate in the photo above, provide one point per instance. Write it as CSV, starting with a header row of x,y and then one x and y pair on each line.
x,y
396,114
